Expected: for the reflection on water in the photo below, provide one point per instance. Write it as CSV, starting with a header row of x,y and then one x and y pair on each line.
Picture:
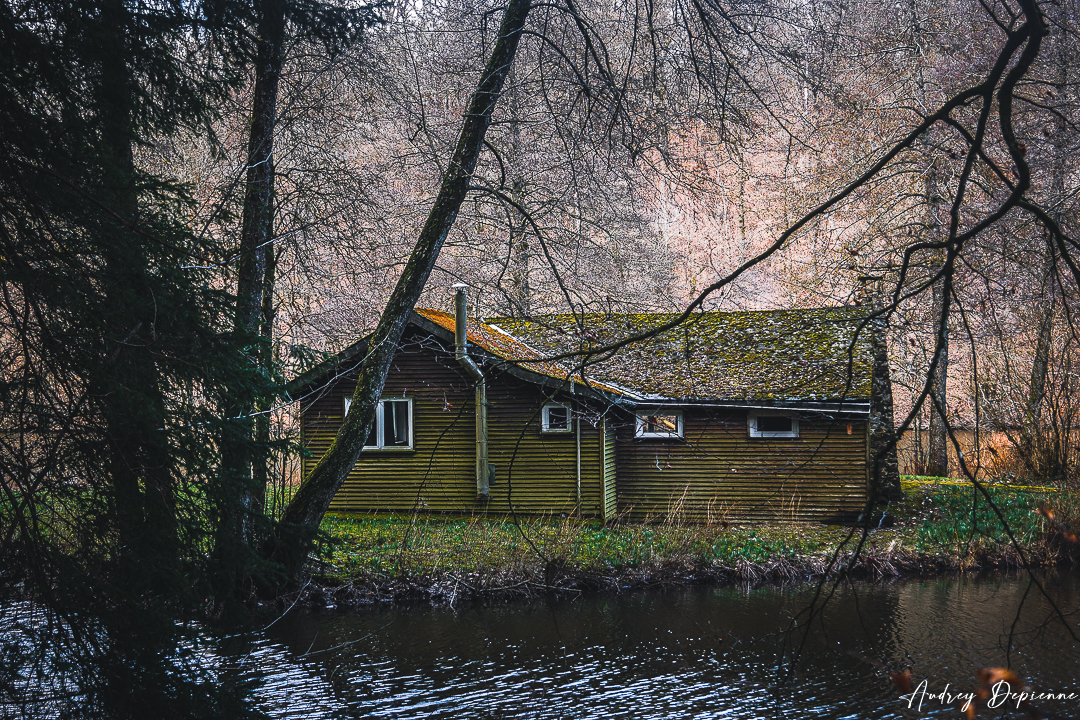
x,y
699,652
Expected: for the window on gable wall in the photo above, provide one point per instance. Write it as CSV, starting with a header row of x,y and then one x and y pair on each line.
x,y
555,417
773,425
659,424
393,425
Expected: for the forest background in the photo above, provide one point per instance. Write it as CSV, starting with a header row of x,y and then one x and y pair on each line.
x,y
202,199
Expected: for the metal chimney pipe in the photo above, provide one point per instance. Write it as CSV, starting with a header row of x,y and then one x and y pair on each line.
x,y
461,329
461,354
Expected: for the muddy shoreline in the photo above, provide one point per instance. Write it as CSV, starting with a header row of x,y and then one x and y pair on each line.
x,y
328,591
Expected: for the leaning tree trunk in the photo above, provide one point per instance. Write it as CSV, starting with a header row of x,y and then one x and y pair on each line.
x,y
308,506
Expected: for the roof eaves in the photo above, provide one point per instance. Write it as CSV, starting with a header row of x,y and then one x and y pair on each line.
x,y
332,365
854,407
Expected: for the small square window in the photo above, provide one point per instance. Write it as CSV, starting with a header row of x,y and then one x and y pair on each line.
x,y
392,429
774,425
555,418
659,424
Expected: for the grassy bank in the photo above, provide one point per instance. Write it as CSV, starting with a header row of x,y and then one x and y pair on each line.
x,y
941,525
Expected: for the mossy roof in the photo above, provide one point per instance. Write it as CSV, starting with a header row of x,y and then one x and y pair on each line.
x,y
816,355
770,356
503,345
499,343
495,341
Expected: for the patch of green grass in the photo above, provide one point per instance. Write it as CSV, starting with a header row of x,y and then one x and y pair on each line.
x,y
951,516
941,519
401,545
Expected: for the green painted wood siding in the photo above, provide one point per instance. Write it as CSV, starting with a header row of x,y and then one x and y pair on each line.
x,y
535,472
609,471
718,472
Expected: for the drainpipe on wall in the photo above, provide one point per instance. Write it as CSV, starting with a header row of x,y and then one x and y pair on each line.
x,y
461,354
577,431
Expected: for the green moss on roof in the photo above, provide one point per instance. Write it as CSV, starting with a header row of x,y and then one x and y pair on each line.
x,y
773,355
503,345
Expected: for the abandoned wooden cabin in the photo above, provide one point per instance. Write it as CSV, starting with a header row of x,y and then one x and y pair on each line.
x,y
744,416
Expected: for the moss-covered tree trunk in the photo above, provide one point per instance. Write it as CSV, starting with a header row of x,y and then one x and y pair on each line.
x,y
885,471
305,511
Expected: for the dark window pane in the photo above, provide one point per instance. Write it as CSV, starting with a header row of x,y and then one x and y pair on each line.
x,y
372,438
395,423
558,418
773,423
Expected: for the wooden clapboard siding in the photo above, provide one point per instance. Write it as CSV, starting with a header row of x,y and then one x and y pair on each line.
x,y
438,474
535,472
718,472
610,507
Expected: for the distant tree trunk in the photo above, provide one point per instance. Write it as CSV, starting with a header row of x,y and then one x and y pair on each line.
x,y
937,461
305,511
519,236
938,455
1040,366
1044,306
519,256
239,513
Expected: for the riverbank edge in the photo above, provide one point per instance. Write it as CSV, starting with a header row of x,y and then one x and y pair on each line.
x,y
329,590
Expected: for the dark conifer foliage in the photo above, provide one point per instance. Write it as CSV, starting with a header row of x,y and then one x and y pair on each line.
x,y
113,335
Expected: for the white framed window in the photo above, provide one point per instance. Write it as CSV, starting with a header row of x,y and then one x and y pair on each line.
x,y
555,418
393,428
659,424
769,424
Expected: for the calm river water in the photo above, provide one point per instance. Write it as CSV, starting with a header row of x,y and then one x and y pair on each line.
x,y
697,652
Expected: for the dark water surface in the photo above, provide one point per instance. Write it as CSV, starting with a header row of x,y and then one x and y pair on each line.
x,y
697,652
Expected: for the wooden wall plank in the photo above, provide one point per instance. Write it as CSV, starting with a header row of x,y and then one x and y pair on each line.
x,y
535,472
719,473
